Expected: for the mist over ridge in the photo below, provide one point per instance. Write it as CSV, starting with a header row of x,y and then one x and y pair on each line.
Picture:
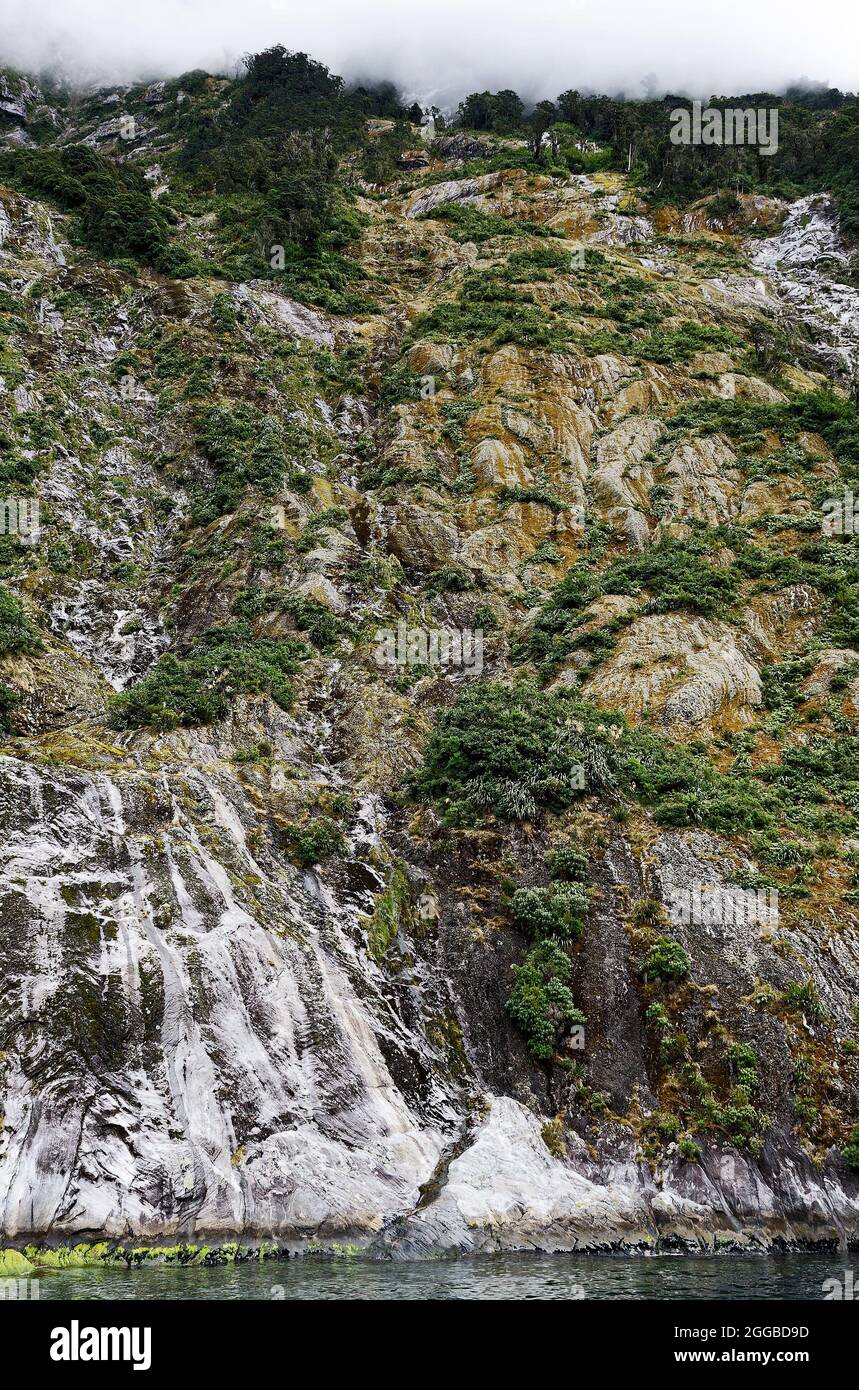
x,y
441,52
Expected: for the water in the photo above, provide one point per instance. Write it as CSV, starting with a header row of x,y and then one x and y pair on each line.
x,y
492,1277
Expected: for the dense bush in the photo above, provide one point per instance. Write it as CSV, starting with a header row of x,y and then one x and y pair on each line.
x,y
469,223
312,617
540,1003
678,345
489,309
246,449
850,1152
816,145
198,688
271,159
116,214
685,789
558,911
512,750
677,574
666,960
317,840
17,633
567,862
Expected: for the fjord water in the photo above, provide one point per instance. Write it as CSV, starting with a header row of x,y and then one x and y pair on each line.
x,y
515,1277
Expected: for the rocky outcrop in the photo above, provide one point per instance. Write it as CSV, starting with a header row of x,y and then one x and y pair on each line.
x,y
252,985
681,671
463,191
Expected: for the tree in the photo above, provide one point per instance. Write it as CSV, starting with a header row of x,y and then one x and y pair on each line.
x,y
539,122
498,111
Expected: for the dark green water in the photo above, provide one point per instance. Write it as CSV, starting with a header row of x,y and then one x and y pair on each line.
x,y
497,1277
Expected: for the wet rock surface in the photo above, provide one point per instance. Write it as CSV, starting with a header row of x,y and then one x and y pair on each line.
x,y
212,1030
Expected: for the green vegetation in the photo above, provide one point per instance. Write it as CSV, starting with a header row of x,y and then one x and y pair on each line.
x,y
490,309
516,750
850,1152
9,698
319,839
746,422
392,907
198,688
469,223
541,495
684,788
817,136
680,344
567,862
666,960
540,1002
312,617
551,912
114,210
697,1103
269,160
309,615
17,633
246,449
513,750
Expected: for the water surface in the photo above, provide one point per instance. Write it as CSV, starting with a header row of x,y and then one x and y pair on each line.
x,y
491,1277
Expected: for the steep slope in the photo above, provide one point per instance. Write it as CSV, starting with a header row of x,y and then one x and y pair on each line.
x,y
266,887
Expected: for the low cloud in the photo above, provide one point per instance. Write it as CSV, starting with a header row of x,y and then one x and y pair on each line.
x,y
441,49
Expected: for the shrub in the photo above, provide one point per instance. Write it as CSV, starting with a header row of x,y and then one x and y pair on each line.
x,y
805,999
666,960
315,619
657,1017
540,1003
489,309
449,580
744,1060
198,688
469,223
850,1152
17,633
552,1134
685,789
116,214
8,700
681,344
536,263
317,840
558,911
648,912
512,750
567,862
246,449
541,495
677,575
665,1124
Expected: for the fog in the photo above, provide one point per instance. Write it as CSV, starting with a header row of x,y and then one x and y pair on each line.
x,y
440,49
